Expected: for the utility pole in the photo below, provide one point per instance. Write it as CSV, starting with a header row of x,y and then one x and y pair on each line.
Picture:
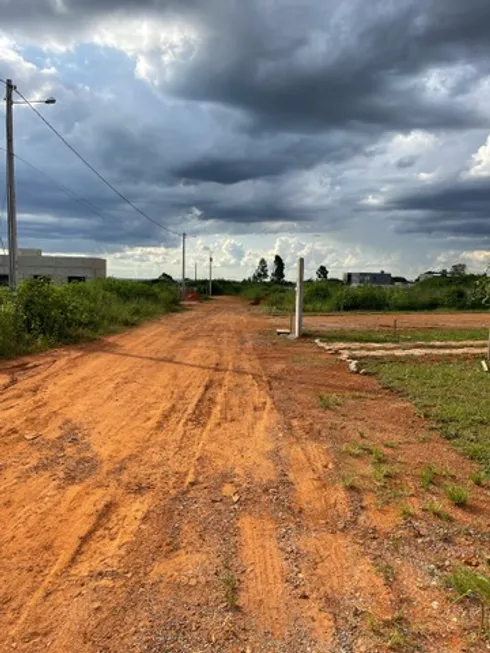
x,y
11,206
195,271
210,275
298,328
183,265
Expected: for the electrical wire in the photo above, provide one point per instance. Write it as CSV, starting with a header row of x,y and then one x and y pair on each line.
x,y
62,187
91,167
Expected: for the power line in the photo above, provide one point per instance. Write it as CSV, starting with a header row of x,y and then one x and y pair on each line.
x,y
91,167
62,187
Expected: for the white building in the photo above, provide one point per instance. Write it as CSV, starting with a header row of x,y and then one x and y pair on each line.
x,y
32,264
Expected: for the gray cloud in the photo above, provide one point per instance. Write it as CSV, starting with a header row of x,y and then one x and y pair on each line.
x,y
273,91
406,162
456,208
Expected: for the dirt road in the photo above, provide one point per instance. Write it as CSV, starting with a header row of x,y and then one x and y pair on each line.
x,y
185,487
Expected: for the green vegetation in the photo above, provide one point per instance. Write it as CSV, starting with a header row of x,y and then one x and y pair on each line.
x,y
457,494
381,473
452,393
42,315
230,585
403,335
328,402
450,293
406,511
349,482
437,510
478,478
427,476
470,584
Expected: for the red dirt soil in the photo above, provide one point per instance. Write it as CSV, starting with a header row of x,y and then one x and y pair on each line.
x,y
374,321
182,488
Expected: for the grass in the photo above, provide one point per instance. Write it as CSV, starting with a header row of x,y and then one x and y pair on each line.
x,y
392,444
381,473
470,584
352,449
427,476
328,402
42,315
438,511
457,494
478,478
402,335
230,585
453,394
349,481
394,632
406,511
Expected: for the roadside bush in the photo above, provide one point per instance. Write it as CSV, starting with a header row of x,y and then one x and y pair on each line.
x,y
41,314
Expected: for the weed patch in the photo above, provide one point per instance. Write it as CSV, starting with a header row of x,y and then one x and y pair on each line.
x,y
451,393
328,402
438,511
457,494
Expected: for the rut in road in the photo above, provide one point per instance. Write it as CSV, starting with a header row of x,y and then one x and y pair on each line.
x,y
178,488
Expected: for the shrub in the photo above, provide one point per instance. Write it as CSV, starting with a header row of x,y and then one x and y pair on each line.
x,y
40,314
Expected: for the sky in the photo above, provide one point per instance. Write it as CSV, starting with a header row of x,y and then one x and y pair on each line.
x,y
355,134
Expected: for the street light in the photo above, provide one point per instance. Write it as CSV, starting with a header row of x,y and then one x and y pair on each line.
x,y
11,204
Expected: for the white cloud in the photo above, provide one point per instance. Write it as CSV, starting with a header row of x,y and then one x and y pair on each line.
x,y
415,142
372,200
481,161
428,177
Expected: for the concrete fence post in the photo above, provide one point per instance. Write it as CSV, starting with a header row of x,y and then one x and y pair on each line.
x,y
299,299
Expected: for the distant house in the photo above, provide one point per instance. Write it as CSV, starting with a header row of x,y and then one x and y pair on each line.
x,y
431,275
368,279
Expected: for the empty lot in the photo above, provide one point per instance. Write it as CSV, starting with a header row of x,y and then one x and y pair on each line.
x,y
198,484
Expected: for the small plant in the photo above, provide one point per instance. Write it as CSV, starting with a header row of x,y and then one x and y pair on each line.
x,y
328,402
352,450
382,472
386,570
378,455
438,511
349,482
406,511
392,444
397,638
231,590
457,494
478,478
470,584
427,476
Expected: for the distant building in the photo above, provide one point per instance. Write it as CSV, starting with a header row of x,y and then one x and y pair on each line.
x,y
32,264
431,275
368,279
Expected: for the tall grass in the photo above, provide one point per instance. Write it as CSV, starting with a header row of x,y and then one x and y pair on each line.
x,y
41,315
325,296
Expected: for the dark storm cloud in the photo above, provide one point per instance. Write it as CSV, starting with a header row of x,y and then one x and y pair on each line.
x,y
316,81
271,156
459,208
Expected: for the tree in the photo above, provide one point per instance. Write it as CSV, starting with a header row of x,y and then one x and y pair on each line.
x,y
262,271
277,275
458,270
322,273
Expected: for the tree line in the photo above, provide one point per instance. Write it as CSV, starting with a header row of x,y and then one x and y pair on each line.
x,y
277,275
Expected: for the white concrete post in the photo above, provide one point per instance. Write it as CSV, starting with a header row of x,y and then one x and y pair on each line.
x,y
298,325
